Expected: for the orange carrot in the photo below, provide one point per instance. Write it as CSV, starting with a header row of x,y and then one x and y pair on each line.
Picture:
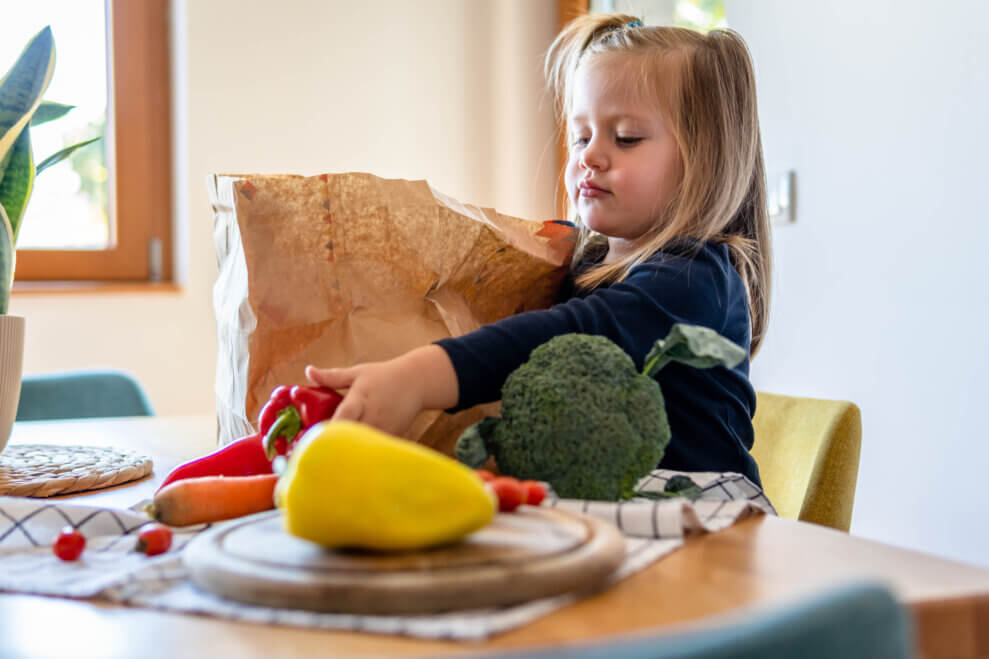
x,y
212,498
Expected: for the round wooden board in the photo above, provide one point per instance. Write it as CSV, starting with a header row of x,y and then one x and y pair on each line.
x,y
520,556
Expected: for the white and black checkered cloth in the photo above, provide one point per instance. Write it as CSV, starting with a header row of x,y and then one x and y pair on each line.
x,y
110,569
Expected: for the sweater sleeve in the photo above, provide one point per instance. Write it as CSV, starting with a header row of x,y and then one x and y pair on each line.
x,y
634,313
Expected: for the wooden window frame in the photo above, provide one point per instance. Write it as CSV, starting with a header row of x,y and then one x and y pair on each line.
x,y
139,158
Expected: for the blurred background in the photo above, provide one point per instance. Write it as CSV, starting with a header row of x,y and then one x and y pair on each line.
x,y
873,123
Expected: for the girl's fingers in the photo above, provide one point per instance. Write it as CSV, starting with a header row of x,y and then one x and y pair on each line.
x,y
350,409
334,378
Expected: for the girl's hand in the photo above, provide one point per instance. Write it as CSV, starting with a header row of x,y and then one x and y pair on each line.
x,y
389,395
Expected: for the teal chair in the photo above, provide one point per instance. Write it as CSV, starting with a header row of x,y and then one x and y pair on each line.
x,y
81,395
853,621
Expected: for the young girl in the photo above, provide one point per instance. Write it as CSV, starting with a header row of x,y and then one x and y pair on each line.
x,y
665,180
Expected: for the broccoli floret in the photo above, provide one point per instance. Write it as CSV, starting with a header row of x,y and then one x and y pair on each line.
x,y
579,416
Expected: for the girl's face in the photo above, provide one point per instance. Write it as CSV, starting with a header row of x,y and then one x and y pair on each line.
x,y
624,165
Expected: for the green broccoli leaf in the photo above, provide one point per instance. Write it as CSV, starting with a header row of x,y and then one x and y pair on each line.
x,y
697,346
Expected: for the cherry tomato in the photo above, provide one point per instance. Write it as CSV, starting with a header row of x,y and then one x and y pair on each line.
x,y
485,475
509,491
153,539
69,544
533,492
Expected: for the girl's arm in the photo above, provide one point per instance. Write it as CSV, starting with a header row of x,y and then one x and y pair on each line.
x,y
388,395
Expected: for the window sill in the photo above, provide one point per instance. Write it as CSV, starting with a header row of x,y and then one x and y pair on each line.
x,y
92,287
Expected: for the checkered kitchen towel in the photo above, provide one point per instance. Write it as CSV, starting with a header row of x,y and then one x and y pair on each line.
x,y
110,569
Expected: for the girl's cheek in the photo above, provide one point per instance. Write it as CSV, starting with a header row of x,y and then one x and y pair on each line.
x,y
570,179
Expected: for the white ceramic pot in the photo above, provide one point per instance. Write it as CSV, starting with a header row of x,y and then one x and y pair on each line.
x,y
11,365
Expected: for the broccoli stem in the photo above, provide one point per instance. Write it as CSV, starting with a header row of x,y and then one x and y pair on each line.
x,y
655,365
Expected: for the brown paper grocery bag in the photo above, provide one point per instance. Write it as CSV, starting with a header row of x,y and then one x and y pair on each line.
x,y
339,269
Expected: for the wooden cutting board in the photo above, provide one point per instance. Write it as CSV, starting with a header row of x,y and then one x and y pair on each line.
x,y
524,555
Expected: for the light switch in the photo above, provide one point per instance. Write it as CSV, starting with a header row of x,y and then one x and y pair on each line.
x,y
783,199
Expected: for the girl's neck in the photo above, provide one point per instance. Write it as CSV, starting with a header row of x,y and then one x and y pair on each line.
x,y
618,248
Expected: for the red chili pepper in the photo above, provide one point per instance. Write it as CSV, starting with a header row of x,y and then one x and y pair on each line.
x,y
290,411
243,457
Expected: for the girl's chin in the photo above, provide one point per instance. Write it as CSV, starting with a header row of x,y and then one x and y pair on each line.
x,y
599,225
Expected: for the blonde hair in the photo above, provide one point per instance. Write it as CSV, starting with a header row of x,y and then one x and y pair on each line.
x,y
705,88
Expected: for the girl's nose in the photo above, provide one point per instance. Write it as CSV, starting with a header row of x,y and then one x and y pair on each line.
x,y
594,156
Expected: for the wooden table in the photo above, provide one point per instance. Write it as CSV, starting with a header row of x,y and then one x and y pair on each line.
x,y
759,563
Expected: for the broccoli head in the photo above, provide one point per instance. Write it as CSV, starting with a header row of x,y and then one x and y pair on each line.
x,y
579,416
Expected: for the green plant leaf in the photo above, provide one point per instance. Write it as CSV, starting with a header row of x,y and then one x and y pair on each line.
x,y
4,161
22,88
700,347
16,186
49,111
7,256
62,154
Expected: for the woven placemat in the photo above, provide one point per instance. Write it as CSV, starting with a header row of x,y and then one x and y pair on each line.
x,y
44,470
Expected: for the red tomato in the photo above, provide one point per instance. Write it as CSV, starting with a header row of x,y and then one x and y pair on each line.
x,y
509,491
153,539
69,544
533,492
485,475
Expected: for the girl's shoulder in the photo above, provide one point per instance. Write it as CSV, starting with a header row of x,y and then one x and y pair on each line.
x,y
691,272
697,283
688,254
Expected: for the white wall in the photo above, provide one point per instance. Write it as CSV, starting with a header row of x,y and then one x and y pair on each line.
x,y
881,107
446,90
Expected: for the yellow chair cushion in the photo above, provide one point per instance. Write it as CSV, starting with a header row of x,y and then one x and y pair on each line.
x,y
808,455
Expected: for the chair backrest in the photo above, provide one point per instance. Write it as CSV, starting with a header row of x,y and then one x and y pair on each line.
x,y
81,394
852,621
808,455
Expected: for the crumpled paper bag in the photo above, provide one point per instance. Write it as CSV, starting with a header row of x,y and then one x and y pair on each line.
x,y
339,269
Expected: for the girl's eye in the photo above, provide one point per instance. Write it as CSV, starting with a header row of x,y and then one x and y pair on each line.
x,y
580,141
628,141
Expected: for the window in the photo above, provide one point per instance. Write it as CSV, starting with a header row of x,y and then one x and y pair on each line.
x,y
700,15
121,225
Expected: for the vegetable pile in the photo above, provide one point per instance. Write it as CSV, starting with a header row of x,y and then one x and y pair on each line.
x,y
289,412
579,416
238,479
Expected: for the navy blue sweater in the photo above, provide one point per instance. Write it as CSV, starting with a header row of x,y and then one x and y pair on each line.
x,y
710,410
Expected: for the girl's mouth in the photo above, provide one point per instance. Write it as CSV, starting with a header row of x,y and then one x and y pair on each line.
x,y
590,190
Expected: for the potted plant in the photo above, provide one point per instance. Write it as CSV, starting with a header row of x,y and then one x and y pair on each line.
x,y
21,107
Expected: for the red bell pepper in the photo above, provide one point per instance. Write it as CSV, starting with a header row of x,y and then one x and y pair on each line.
x,y
242,457
291,411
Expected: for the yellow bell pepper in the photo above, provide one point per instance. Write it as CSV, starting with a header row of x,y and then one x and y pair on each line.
x,y
349,485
